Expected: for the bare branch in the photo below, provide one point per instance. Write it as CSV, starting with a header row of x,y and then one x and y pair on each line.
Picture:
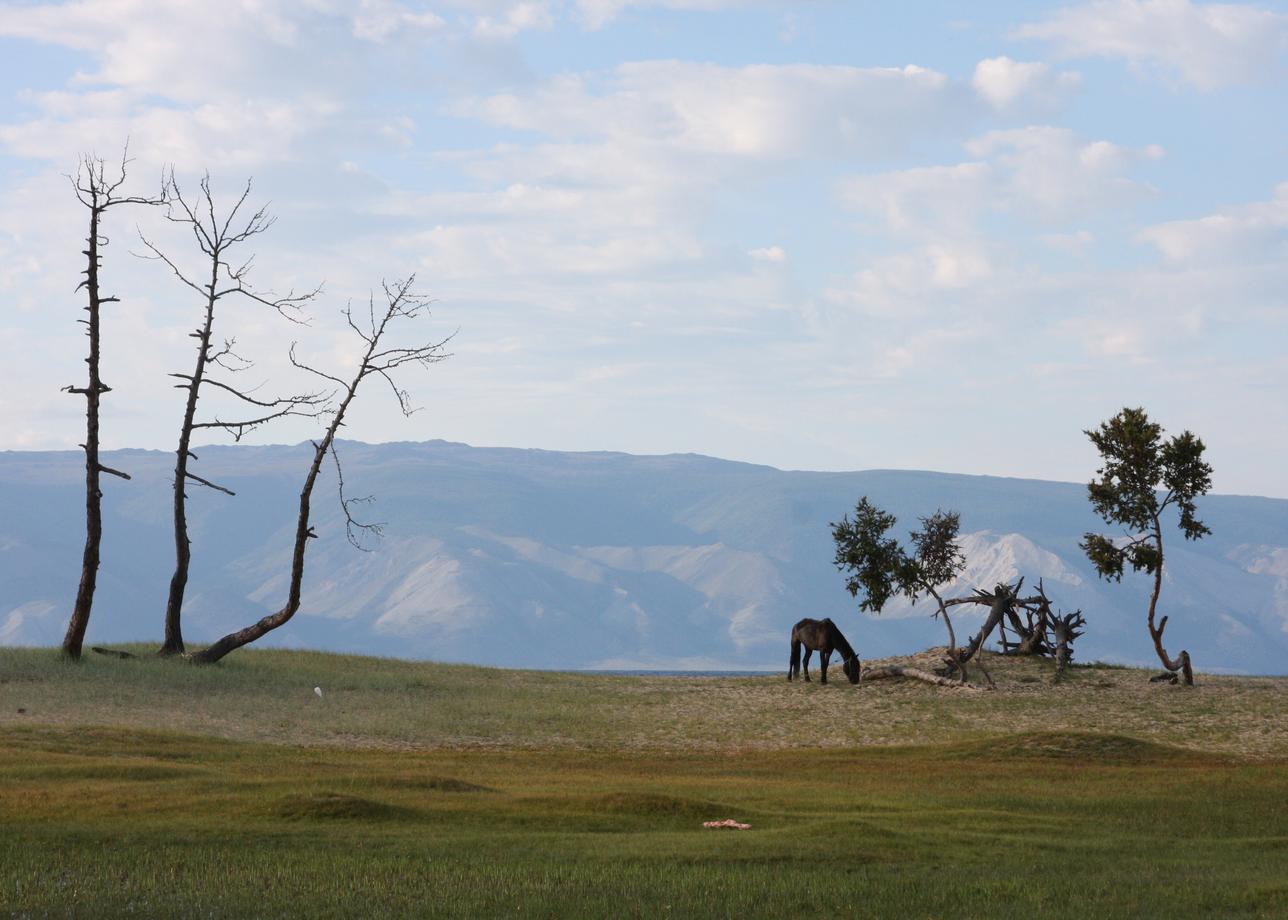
x,y
312,370
300,400
240,428
400,303
352,527
208,484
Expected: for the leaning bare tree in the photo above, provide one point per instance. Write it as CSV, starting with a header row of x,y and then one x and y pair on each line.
x,y
99,192
1141,477
379,359
216,237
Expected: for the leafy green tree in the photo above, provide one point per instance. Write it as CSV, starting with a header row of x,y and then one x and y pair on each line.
x,y
877,568
1141,477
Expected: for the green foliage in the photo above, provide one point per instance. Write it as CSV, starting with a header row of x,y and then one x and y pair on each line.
x,y
879,568
876,564
1141,475
937,557
1186,476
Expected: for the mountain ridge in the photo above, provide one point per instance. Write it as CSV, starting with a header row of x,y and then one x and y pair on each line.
x,y
537,558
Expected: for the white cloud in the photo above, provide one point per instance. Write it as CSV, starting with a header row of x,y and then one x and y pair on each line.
x,y
763,111
1075,243
187,52
239,134
912,282
595,14
1006,84
1248,233
518,17
1039,173
1050,173
1206,45
377,20
949,198
769,254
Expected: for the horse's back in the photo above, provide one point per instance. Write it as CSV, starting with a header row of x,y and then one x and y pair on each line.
x,y
807,623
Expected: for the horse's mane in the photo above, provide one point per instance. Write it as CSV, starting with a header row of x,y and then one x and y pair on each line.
x,y
839,641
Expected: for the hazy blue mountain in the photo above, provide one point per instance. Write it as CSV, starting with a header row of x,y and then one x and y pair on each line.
x,y
545,559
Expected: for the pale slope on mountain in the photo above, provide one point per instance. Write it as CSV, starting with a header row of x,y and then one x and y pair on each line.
x,y
547,559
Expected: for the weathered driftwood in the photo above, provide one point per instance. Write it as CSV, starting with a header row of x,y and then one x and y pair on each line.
x,y
891,671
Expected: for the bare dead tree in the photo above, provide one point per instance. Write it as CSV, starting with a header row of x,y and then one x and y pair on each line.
x,y
1041,631
1066,628
379,359
216,236
98,191
1001,602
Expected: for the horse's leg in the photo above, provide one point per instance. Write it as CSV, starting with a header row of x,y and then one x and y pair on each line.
x,y
808,651
822,663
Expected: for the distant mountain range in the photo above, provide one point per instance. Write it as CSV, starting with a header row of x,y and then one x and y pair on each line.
x,y
530,558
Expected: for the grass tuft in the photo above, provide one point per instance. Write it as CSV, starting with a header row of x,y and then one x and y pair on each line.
x,y
1081,747
332,806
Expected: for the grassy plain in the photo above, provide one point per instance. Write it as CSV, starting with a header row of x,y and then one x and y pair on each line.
x,y
150,788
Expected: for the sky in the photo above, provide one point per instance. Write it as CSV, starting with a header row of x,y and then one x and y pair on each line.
x,y
815,235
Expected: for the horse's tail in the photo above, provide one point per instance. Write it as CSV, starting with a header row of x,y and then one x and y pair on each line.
x,y
794,662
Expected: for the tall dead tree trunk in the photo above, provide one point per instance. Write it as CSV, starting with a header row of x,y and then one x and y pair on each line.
x,y
215,237
400,303
98,193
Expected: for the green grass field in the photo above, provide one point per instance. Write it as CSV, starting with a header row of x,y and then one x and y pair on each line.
x,y
155,789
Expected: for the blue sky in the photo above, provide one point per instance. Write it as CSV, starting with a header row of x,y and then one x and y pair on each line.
x,y
815,235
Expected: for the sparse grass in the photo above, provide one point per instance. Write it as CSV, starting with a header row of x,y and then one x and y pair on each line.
x,y
267,695
155,789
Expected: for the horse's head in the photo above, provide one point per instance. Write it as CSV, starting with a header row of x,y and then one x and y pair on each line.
x,y
852,668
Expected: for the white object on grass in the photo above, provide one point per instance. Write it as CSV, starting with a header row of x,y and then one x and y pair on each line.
x,y
318,691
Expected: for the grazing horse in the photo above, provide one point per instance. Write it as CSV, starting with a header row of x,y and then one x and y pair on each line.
x,y
823,637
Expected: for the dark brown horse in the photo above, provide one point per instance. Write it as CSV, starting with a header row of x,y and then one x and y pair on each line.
x,y
823,637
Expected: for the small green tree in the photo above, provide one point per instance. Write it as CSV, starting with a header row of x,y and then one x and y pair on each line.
x,y
1142,475
877,568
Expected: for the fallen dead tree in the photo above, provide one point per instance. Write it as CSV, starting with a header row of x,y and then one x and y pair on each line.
x,y
886,672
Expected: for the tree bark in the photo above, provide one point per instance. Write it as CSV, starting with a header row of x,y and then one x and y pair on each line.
x,y
303,533
1182,661
97,193
173,644
404,304
999,602
79,622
